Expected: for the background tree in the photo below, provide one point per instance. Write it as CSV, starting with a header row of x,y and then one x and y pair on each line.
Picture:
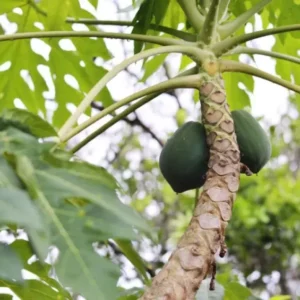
x,y
52,57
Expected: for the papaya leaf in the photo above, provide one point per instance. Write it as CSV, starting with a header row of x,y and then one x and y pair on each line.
x,y
128,250
21,78
235,291
80,65
286,14
142,21
7,6
38,126
76,183
6,296
152,65
35,289
131,294
94,3
8,177
16,207
11,265
78,264
24,251
160,9
57,12
174,15
237,97
74,8
14,141
15,79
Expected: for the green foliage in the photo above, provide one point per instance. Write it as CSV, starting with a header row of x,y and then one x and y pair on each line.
x,y
31,123
49,198
78,63
11,265
69,205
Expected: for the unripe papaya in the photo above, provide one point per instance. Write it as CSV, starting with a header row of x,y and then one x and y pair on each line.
x,y
254,144
184,158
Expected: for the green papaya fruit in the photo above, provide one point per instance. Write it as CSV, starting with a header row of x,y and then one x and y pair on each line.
x,y
254,144
184,158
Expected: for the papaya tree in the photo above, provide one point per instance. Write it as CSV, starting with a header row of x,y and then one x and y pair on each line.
x,y
62,216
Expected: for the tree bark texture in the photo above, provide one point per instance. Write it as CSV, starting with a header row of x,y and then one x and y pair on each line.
x,y
194,258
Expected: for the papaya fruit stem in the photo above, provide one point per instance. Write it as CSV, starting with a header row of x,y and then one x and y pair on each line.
x,y
245,170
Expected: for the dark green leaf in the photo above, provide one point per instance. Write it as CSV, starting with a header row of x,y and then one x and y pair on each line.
x,y
6,297
36,289
83,169
11,265
25,252
38,126
59,184
160,9
127,249
8,177
16,207
79,266
131,294
142,21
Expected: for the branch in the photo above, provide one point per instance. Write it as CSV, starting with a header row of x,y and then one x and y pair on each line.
x,y
177,33
111,35
115,119
229,43
192,14
231,27
246,50
208,30
234,66
172,92
135,122
198,55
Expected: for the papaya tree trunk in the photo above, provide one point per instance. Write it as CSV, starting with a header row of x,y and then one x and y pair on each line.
x,y
194,258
